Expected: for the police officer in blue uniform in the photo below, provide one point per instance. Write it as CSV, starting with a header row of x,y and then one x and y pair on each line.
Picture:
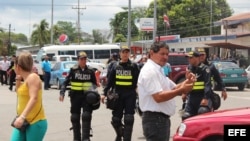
x,y
82,82
214,73
199,99
123,78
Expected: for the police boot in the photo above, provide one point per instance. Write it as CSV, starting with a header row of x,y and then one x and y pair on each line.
x,y
75,120
86,123
117,125
128,127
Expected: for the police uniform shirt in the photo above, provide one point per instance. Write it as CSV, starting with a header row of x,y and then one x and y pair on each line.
x,y
152,80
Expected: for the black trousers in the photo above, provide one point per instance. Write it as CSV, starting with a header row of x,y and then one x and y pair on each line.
x,y
3,75
126,103
12,79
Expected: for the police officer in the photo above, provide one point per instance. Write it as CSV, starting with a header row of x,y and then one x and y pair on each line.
x,y
123,78
214,73
11,72
81,79
199,99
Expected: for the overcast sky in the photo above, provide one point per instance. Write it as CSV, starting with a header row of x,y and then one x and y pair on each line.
x,y
23,14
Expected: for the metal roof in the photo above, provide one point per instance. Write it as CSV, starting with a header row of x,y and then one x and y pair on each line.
x,y
235,19
228,45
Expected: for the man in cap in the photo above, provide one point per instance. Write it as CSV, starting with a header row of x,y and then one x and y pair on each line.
x,y
82,80
215,75
199,99
123,81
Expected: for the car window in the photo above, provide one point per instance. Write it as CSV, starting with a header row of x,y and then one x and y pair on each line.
x,y
56,66
74,58
68,65
65,59
226,65
177,60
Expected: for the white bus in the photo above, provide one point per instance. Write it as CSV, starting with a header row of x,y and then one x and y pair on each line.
x,y
95,53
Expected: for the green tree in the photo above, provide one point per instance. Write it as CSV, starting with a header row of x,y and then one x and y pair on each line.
x,y
57,31
98,37
41,34
189,17
119,38
119,25
68,29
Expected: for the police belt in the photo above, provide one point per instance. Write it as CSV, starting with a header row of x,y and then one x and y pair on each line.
x,y
160,114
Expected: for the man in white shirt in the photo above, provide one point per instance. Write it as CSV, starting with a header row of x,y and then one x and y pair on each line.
x,y
156,93
3,71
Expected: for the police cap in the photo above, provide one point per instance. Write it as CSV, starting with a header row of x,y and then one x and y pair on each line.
x,y
193,54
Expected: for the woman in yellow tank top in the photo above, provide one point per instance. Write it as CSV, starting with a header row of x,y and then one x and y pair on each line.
x,y
29,101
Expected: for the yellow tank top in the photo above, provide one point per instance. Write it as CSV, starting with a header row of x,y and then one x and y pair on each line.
x,y
37,112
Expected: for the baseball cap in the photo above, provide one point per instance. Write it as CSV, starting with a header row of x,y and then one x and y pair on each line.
x,y
82,54
201,50
123,48
193,54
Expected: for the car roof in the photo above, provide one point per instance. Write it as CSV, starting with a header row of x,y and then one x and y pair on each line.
x,y
177,54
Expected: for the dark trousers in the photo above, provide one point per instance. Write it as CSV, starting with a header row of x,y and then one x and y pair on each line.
x,y
46,80
12,79
78,102
125,106
156,127
3,75
193,105
126,103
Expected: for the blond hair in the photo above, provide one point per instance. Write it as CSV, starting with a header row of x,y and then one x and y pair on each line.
x,y
25,61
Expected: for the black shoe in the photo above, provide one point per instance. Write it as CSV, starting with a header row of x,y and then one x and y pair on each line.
x,y
10,89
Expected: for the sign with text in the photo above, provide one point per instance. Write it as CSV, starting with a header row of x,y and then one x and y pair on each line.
x,y
236,132
147,24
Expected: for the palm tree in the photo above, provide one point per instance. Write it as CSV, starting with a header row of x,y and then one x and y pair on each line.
x,y
41,34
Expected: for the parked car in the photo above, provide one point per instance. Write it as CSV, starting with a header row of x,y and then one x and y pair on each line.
x,y
248,75
231,74
210,126
178,62
60,71
96,65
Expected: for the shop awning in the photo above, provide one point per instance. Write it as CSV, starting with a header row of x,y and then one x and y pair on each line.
x,y
228,45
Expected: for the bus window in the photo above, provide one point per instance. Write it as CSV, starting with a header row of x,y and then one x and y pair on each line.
x,y
88,52
66,52
115,51
102,54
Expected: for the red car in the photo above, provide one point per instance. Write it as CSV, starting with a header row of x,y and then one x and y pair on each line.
x,y
210,126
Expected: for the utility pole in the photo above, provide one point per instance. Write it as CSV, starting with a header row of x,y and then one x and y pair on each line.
x,y
9,42
155,20
211,16
129,23
78,21
52,13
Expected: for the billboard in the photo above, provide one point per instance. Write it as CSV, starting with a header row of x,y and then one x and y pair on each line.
x,y
146,24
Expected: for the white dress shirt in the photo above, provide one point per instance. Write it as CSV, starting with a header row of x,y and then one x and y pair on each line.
x,y
4,65
151,81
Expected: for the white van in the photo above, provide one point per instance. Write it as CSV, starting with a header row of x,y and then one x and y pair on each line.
x,y
58,58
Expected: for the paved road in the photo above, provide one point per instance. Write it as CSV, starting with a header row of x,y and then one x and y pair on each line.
x,y
59,117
